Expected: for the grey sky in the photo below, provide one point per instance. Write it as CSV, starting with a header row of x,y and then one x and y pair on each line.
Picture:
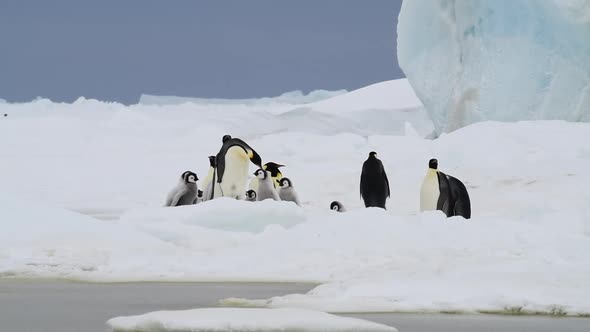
x,y
118,49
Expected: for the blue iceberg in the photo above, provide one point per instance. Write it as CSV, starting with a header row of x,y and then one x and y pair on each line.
x,y
503,60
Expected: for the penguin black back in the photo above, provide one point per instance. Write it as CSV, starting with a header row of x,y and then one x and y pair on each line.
x,y
461,203
454,198
374,186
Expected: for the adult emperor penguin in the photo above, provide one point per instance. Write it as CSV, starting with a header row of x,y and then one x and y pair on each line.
x,y
231,171
287,192
275,173
185,192
251,196
337,206
209,178
266,188
374,183
444,192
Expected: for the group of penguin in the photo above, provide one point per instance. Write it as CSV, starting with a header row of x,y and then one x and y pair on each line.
x,y
228,177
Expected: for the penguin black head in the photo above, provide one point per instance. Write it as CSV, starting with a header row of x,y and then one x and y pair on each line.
x,y
199,193
336,206
285,183
225,138
433,163
255,159
251,194
189,177
372,154
261,174
183,175
5,115
212,161
273,168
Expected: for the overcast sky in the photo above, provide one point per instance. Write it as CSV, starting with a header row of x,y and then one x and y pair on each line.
x,y
116,50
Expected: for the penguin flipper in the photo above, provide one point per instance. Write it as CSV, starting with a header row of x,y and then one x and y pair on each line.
x,y
386,184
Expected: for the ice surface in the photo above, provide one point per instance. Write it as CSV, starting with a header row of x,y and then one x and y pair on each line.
x,y
503,60
525,247
243,320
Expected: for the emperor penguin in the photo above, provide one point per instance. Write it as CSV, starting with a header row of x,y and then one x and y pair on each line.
x,y
209,178
266,188
251,196
231,171
374,183
444,192
287,192
275,173
199,198
185,192
337,206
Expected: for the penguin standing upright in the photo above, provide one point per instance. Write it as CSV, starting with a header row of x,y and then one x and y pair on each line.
x,y
374,183
287,192
444,192
231,171
185,192
266,188
275,173
209,178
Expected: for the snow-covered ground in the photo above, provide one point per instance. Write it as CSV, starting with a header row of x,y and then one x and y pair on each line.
x,y
526,248
239,320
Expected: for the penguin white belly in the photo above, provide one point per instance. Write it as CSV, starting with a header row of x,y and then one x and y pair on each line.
x,y
429,192
235,176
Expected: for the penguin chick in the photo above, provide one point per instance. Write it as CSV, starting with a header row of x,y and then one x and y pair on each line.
x,y
266,188
287,192
374,183
199,198
251,196
337,206
275,173
185,192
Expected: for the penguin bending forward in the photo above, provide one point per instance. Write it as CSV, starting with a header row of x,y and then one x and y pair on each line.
x,y
231,171
444,192
374,183
266,188
185,192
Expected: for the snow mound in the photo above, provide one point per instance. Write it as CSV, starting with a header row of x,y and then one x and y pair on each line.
x,y
243,320
221,214
503,60
290,98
